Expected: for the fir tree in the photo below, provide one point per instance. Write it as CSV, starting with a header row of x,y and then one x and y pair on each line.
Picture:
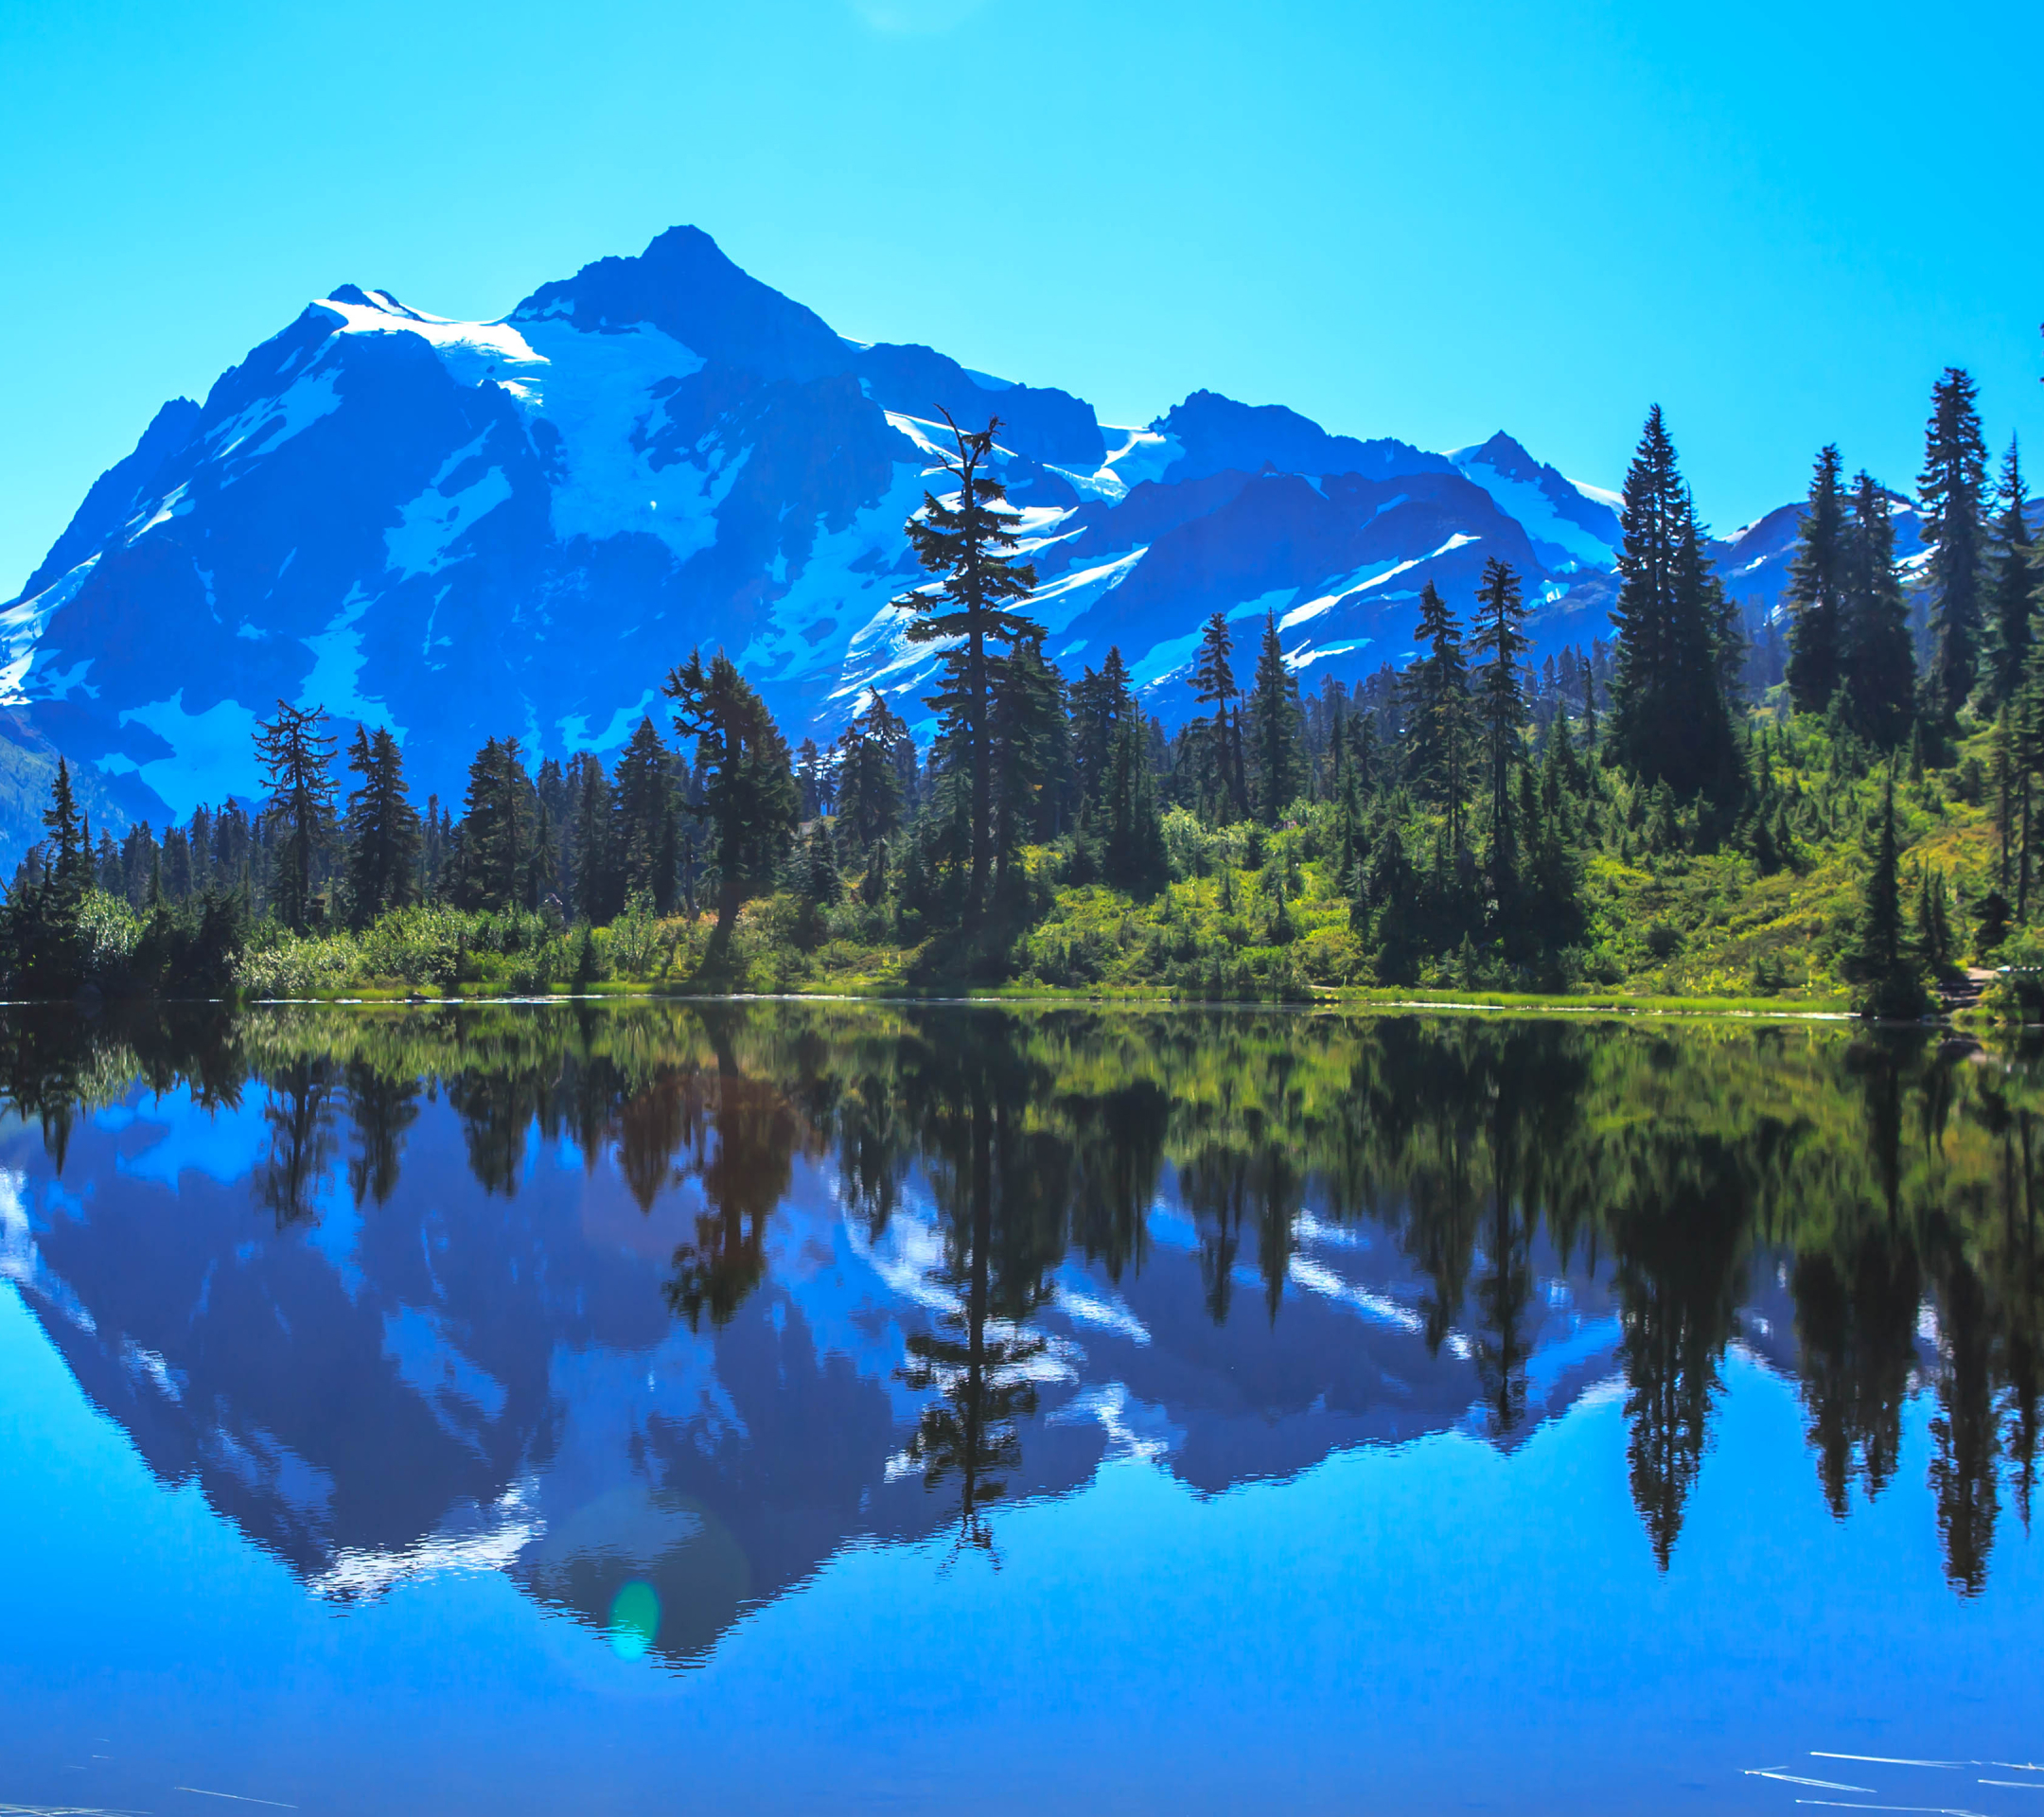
x,y
70,853
868,775
1214,685
2014,594
594,888
1030,747
1277,727
1952,489
1815,590
747,785
1880,958
642,819
1101,704
296,757
1878,683
1501,702
382,830
970,544
496,833
1436,697
1673,722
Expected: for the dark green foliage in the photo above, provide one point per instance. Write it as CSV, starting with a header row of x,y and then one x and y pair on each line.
x,y
1883,964
381,831
498,829
970,545
1816,588
1952,489
2014,594
1879,679
643,846
1277,729
749,798
1672,720
1222,781
1501,708
1434,694
296,758
868,785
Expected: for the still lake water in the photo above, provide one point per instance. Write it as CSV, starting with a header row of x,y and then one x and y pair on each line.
x,y
788,1407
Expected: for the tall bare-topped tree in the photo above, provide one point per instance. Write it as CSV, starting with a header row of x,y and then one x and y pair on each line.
x,y
968,539
296,759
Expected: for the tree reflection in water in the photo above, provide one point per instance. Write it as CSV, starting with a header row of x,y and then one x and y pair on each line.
x,y
1885,1188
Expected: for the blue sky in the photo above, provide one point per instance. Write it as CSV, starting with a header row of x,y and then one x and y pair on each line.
x,y
1428,221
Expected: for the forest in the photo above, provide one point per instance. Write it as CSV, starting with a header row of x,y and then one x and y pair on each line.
x,y
1666,815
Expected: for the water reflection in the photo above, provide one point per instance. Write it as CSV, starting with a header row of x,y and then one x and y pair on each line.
x,y
690,1297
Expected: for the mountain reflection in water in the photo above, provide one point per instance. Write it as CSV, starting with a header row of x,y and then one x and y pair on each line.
x,y
698,1296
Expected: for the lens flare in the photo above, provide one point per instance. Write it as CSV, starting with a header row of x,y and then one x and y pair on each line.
x,y
634,1620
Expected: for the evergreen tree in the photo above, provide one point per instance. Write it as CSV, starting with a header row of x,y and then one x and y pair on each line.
x,y
70,852
1881,960
749,798
1214,685
1952,489
1501,703
1031,749
642,844
1277,727
1101,705
1879,681
1815,590
869,776
1435,695
497,828
2015,592
296,757
1130,834
1672,720
381,831
970,544
594,888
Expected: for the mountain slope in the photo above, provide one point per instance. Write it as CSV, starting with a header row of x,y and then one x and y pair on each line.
x,y
468,528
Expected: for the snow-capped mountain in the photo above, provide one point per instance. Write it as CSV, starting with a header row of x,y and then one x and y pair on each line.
x,y
463,529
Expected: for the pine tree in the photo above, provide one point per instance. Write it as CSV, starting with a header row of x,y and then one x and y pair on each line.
x,y
1214,685
296,757
2014,597
749,798
1672,720
1277,727
1434,693
381,831
1878,680
1952,489
1501,703
1815,586
1130,834
970,544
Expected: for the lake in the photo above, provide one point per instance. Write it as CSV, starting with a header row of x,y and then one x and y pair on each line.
x,y
825,1407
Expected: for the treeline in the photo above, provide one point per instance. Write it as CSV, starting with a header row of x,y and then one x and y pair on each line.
x,y
1450,814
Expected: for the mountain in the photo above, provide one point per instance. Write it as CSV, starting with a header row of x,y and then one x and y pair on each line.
x,y
463,529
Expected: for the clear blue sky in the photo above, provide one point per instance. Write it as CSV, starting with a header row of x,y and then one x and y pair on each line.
x,y
1423,220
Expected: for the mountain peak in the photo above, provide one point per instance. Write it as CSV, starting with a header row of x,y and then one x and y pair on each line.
x,y
685,286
